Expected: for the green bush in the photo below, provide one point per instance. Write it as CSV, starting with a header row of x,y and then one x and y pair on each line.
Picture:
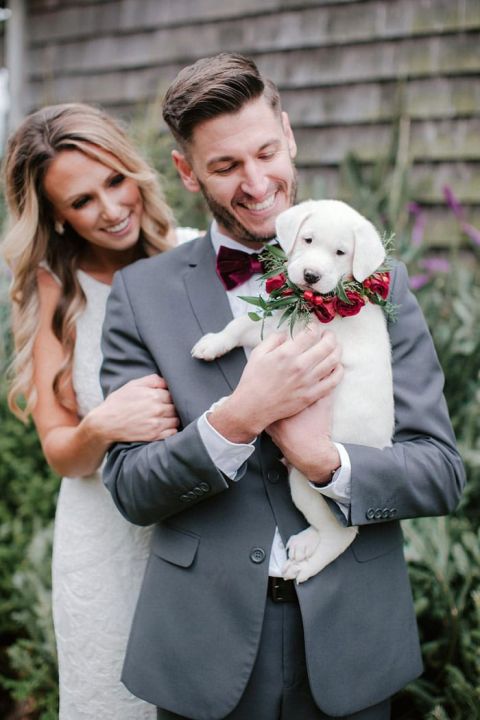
x,y
443,553
189,209
27,504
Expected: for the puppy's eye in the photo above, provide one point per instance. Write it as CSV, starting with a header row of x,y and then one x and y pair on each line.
x,y
340,252
307,240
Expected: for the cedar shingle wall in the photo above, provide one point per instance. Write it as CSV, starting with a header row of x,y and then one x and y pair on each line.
x,y
341,66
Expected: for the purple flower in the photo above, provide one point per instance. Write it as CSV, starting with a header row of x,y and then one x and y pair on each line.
x,y
418,230
420,221
472,232
452,202
435,264
418,281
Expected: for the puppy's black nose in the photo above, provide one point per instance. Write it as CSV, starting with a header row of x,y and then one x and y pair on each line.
x,y
311,277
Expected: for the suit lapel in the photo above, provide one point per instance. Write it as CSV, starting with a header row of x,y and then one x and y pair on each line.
x,y
210,305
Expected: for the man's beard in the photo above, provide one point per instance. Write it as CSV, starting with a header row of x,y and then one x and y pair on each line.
x,y
233,226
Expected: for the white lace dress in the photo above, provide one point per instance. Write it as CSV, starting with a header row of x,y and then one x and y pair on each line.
x,y
98,562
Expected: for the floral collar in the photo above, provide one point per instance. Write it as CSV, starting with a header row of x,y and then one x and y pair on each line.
x,y
297,304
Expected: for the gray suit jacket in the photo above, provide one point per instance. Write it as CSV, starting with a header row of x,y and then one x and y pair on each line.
x,y
198,620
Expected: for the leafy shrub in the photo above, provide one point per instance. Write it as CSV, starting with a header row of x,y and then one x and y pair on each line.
x,y
32,656
29,488
27,504
189,209
443,553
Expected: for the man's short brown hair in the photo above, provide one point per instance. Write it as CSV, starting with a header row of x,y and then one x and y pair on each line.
x,y
211,87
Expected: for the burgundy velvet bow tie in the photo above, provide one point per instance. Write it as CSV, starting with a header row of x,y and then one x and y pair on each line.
x,y
235,267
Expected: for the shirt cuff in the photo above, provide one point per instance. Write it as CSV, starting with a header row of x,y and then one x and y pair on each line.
x,y
225,455
339,489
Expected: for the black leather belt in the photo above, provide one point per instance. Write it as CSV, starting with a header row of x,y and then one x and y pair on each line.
x,y
280,590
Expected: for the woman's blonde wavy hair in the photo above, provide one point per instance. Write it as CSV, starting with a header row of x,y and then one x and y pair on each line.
x,y
31,239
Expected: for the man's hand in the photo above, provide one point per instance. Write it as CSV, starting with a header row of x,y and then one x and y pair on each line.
x,y
283,376
305,440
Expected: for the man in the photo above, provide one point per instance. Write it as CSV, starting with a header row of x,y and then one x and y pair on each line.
x,y
217,633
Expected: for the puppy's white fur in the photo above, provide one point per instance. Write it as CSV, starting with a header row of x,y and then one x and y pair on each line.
x,y
324,241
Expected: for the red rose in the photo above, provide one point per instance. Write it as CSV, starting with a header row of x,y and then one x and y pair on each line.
x,y
287,292
356,302
325,308
275,282
378,284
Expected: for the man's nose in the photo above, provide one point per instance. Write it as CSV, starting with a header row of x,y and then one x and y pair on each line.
x,y
255,182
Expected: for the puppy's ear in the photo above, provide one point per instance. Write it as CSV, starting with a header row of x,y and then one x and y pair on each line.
x,y
369,252
288,224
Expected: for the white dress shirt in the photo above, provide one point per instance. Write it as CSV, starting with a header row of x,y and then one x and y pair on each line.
x,y
230,457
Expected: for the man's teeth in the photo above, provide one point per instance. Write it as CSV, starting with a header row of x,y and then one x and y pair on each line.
x,y
119,226
261,206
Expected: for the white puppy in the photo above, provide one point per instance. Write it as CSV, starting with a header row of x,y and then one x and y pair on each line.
x,y
324,241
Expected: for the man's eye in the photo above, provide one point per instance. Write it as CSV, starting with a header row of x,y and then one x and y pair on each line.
x,y
340,252
224,170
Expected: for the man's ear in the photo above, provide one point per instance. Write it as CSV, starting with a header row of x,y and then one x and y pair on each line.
x,y
287,129
185,171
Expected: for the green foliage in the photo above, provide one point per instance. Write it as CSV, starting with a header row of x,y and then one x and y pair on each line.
x,y
444,557
380,191
27,505
443,553
28,673
189,209
33,655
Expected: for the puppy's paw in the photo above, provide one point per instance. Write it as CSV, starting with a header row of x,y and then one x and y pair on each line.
x,y
211,346
290,570
303,545
298,571
304,571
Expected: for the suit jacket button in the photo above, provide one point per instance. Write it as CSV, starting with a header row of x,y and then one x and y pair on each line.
x,y
204,486
370,514
184,498
273,476
378,514
257,555
393,512
198,491
385,513
191,495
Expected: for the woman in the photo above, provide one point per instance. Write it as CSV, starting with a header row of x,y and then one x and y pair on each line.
x,y
83,204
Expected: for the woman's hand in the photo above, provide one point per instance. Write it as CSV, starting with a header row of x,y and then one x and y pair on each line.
x,y
142,410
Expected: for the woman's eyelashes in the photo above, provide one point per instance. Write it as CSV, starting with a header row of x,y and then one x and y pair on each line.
x,y
113,181
117,179
80,202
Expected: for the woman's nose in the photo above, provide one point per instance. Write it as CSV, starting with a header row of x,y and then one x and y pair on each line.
x,y
110,209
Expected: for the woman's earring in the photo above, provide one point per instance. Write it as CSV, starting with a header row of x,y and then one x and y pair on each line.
x,y
59,228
